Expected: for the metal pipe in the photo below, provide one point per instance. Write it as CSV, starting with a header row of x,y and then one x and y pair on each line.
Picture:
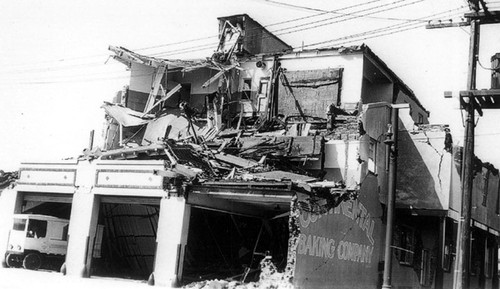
x,y
391,195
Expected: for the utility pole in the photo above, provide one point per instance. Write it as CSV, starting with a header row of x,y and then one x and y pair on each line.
x,y
463,241
392,153
471,100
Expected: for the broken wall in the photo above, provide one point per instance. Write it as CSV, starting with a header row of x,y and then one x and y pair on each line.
x,y
424,169
309,92
418,114
196,79
341,247
485,191
141,81
352,65
424,165
253,82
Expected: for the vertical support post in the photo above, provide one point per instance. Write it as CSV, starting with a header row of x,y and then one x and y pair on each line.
x,y
462,279
120,141
10,204
494,281
173,226
442,242
391,196
83,221
91,140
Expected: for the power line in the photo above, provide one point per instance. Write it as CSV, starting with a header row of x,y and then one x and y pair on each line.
x,y
333,40
191,49
335,12
202,38
283,32
391,27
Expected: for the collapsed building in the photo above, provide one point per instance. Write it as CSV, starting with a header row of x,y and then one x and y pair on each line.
x,y
259,153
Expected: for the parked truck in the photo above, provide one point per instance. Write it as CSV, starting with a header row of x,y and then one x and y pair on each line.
x,y
36,241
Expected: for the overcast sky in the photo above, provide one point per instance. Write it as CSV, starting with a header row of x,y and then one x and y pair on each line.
x,y
54,73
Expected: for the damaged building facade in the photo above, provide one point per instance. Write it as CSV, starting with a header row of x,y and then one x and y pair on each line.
x,y
210,168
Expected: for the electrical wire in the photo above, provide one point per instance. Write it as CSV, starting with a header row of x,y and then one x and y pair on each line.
x,y
283,32
201,47
393,28
208,37
335,12
387,28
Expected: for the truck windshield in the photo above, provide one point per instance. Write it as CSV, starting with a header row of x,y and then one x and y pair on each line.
x,y
36,229
19,224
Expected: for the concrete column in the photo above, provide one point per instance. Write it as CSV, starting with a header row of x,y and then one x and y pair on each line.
x,y
10,204
82,227
173,226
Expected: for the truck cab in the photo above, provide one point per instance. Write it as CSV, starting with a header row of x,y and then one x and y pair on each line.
x,y
36,241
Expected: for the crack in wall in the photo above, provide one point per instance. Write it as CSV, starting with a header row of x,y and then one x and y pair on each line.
x,y
441,155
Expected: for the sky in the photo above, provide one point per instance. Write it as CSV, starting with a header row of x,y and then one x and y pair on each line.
x,y
55,70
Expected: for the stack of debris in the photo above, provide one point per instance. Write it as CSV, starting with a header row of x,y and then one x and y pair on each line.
x,y
7,178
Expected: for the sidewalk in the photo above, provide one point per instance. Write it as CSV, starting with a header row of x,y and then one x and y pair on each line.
x,y
15,278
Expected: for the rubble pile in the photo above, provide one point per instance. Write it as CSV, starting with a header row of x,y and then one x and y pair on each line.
x,y
7,178
224,138
269,278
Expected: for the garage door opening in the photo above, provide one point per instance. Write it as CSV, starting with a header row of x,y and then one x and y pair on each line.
x,y
38,239
128,238
226,246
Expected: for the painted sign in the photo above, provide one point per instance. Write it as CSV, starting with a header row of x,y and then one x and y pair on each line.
x,y
340,248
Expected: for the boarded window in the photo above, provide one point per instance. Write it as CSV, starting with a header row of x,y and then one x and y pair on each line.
x,y
309,91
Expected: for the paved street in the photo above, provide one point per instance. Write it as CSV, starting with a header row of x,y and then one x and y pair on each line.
x,y
11,278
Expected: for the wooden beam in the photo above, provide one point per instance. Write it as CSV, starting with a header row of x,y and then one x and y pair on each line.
x,y
208,202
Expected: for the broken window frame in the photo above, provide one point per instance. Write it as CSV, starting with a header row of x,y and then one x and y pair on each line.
x,y
262,94
372,155
246,93
406,250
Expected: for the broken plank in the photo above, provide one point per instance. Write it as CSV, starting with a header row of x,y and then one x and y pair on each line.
x,y
282,175
235,160
169,94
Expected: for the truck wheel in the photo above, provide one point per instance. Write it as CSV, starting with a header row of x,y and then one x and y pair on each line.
x,y
32,261
12,260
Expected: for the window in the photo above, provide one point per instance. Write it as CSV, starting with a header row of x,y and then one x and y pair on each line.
x,y
19,224
497,209
246,90
476,254
448,257
489,258
449,250
406,236
36,229
372,156
420,118
65,233
486,179
425,268
263,86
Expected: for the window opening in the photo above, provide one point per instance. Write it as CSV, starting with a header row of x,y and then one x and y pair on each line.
x,y
246,91
37,229
19,224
